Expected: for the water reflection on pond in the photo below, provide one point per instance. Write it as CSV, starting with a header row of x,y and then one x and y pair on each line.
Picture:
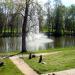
x,y
10,44
14,43
67,41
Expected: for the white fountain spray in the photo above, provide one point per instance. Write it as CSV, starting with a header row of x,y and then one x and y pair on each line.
x,y
35,40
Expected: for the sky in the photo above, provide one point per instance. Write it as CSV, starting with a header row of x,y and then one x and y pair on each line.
x,y
65,2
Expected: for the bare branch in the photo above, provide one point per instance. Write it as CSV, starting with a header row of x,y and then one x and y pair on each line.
x,y
30,28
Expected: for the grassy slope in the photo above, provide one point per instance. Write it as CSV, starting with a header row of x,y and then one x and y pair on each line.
x,y
55,62
9,68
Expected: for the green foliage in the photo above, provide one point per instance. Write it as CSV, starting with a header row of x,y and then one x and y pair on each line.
x,y
60,20
10,18
70,19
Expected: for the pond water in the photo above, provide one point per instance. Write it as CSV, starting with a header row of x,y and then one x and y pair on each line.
x,y
14,43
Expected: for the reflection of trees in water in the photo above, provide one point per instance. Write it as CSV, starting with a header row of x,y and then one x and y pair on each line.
x,y
59,42
10,44
1,44
69,41
49,45
66,41
14,43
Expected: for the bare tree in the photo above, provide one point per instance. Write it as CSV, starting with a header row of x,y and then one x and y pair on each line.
x,y
24,27
30,9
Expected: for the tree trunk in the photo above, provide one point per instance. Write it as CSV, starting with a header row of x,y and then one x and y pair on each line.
x,y
24,32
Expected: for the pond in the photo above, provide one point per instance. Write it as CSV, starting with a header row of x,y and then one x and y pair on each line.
x,y
14,43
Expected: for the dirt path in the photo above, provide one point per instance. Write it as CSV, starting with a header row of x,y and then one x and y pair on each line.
x,y
38,54
22,66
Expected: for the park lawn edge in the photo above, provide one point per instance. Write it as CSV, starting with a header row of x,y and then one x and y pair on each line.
x,y
9,68
67,55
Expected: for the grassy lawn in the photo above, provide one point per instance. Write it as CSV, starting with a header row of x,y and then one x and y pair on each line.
x,y
9,68
52,50
54,62
9,53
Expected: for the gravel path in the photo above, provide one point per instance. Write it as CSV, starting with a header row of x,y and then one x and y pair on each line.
x,y
38,54
22,66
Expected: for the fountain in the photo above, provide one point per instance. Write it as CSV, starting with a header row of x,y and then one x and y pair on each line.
x,y
35,40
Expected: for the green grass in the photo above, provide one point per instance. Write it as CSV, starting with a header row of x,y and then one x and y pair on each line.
x,y
9,53
9,68
54,62
51,50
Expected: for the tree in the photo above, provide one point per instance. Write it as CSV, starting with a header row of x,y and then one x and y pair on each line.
x,y
24,11
24,27
58,18
3,20
49,16
40,13
14,15
31,10
70,19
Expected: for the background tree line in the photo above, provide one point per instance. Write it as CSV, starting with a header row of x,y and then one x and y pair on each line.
x,y
10,18
60,19
56,20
